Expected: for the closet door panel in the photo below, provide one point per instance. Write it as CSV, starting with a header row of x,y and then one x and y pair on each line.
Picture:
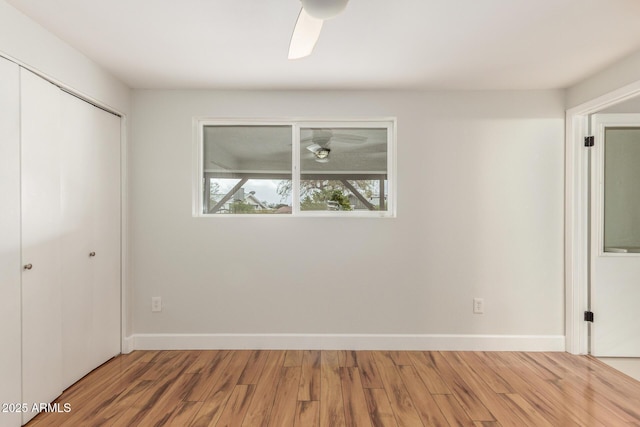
x,y
41,296
106,236
10,331
77,187
90,188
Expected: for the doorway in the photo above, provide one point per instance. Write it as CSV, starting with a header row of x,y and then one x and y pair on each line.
x,y
599,248
614,239
577,196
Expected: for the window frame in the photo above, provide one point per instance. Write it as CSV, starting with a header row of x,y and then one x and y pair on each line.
x,y
388,123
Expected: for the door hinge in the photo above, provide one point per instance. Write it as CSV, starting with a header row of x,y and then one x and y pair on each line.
x,y
588,316
589,141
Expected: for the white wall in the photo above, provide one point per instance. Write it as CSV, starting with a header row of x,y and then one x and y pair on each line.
x,y
30,44
480,214
617,75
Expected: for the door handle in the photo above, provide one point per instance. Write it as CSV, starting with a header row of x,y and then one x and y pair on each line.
x,y
28,267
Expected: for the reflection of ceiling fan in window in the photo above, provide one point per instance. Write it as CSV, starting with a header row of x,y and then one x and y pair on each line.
x,y
321,140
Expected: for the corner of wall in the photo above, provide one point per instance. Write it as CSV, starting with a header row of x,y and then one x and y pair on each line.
x,y
30,45
617,75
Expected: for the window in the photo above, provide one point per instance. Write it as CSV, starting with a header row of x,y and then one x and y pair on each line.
x,y
342,168
246,169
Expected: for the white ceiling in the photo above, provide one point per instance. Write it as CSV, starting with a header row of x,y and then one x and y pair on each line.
x,y
399,44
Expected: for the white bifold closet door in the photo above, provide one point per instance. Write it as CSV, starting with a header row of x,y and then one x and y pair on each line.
x,y
90,201
69,204
40,211
10,381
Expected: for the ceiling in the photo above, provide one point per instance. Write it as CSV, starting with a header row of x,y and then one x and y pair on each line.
x,y
374,44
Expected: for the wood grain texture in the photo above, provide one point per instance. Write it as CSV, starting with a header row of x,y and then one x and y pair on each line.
x,y
284,404
368,370
331,401
237,406
426,406
349,388
262,401
293,358
425,366
453,411
254,367
380,411
355,405
347,358
309,387
307,414
399,398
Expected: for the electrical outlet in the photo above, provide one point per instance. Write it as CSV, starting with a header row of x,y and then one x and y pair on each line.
x,y
156,304
478,306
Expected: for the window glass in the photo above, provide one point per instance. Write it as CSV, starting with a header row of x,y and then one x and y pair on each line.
x,y
621,182
246,169
295,168
343,169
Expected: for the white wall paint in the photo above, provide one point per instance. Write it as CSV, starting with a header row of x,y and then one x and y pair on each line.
x,y
26,41
480,214
622,73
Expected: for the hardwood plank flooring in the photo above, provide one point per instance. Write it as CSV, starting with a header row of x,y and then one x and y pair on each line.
x,y
331,401
309,387
314,388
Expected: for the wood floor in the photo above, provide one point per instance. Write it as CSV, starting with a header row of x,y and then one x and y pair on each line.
x,y
349,388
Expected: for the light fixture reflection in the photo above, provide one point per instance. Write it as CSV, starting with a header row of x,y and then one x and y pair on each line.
x,y
322,154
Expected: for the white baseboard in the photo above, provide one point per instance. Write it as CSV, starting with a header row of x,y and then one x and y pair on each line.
x,y
128,344
346,342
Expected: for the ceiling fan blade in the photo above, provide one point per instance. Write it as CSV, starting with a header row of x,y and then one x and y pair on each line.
x,y
380,147
313,148
348,138
305,35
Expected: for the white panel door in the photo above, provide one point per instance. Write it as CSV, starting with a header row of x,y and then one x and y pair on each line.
x,y
615,235
41,316
76,190
10,267
90,188
106,236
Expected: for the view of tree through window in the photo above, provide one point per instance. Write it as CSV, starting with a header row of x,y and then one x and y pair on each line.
x,y
243,167
255,196
248,169
343,169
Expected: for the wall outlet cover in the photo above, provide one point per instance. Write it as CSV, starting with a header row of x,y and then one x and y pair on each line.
x,y
156,304
478,306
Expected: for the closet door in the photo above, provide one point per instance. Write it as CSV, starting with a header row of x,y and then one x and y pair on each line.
x,y
41,297
76,189
106,237
10,385
90,188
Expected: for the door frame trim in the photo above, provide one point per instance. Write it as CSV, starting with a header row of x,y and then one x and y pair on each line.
x,y
577,214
